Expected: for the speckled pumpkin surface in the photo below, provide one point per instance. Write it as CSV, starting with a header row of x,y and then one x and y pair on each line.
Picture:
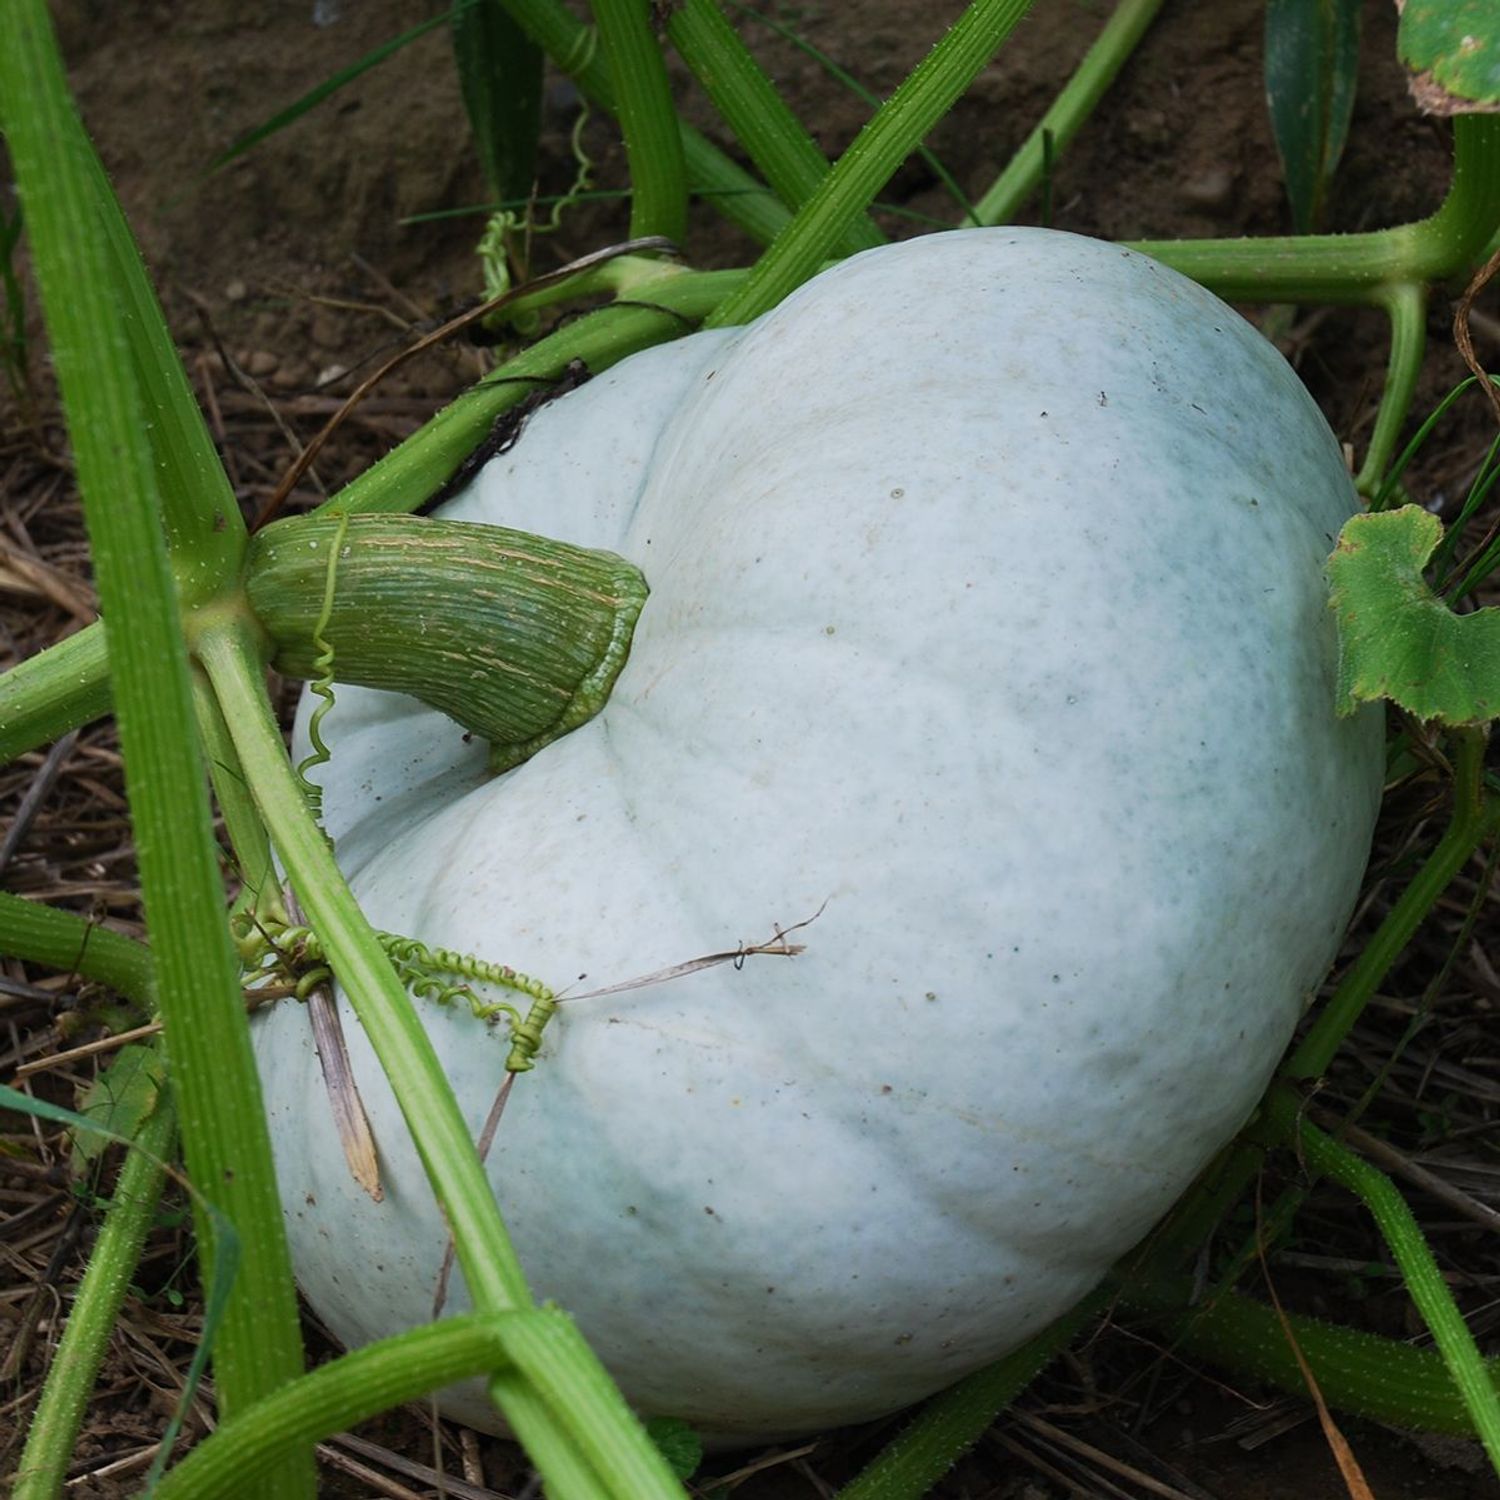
x,y
988,624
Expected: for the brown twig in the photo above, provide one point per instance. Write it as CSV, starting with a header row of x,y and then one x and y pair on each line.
x,y
1343,1454
1097,1456
425,1474
349,1117
1463,336
112,1043
760,1465
776,947
27,574
247,382
35,796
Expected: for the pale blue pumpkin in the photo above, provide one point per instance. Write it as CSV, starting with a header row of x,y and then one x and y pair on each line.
x,y
988,623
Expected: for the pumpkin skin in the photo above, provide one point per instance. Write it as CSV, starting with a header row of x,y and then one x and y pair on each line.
x,y
988,623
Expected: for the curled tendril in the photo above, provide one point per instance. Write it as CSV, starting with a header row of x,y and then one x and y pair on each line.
x,y
526,1038
443,976
484,972
249,940
310,979
583,178
322,684
427,985
494,244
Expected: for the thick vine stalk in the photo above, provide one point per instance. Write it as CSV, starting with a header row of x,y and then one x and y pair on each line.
x,y
196,980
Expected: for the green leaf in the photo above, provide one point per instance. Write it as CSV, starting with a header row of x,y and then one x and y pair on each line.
x,y
1312,63
1452,49
678,1444
500,75
1397,639
121,1099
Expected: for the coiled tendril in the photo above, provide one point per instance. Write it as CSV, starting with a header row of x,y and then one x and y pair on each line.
x,y
442,975
494,245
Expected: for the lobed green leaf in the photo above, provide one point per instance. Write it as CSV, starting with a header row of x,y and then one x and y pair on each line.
x,y
1397,639
1452,48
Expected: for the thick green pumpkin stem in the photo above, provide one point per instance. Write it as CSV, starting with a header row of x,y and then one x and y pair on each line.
x,y
518,638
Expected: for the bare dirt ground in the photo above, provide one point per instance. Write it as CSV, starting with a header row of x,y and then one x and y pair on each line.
x,y
301,260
